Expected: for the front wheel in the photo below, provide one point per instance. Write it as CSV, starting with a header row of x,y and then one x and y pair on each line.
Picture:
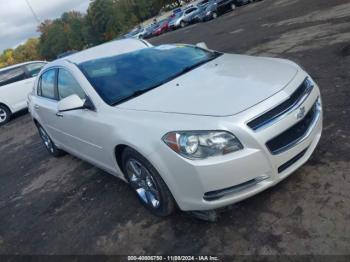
x,y
49,144
233,7
5,115
182,24
215,15
147,183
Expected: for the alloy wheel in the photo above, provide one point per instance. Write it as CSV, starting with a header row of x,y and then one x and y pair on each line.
x,y
3,115
46,139
215,15
143,183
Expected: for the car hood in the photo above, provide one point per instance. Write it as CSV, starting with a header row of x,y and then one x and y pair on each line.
x,y
224,86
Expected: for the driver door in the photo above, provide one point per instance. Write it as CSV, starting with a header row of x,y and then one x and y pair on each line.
x,y
81,132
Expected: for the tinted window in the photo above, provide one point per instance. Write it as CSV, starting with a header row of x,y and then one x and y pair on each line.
x,y
11,76
34,69
67,85
119,77
47,84
190,10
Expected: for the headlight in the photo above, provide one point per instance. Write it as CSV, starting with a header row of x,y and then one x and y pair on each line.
x,y
202,144
208,13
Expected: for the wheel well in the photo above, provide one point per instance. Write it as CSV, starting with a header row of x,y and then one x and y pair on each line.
x,y
6,107
118,151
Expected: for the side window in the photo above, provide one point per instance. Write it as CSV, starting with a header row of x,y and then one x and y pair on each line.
x,y
47,84
34,68
67,85
11,76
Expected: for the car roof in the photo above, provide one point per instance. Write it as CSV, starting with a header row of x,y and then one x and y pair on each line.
x,y
112,48
21,64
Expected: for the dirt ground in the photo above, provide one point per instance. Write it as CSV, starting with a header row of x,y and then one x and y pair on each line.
x,y
66,206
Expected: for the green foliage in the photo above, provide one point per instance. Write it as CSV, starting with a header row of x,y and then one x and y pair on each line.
x,y
25,52
61,35
104,21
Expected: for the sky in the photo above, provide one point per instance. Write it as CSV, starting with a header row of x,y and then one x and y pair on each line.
x,y
17,23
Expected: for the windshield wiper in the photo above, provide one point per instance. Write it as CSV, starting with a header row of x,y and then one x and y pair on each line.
x,y
132,95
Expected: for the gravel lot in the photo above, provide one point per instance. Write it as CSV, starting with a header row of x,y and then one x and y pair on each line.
x,y
66,206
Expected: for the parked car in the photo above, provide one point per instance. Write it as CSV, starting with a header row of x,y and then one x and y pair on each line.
x,y
216,8
242,2
137,33
149,31
162,27
16,82
179,18
183,125
196,16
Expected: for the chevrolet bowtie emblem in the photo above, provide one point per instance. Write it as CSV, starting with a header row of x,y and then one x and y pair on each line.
x,y
301,112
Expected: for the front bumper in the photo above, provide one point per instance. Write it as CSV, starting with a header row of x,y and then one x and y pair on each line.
x,y
220,181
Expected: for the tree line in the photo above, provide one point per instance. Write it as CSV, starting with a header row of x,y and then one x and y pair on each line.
x,y
105,20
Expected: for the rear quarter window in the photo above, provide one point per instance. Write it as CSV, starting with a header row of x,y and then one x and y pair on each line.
x,y
11,76
34,69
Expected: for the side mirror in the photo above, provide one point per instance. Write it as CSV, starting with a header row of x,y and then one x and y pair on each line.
x,y
71,102
202,45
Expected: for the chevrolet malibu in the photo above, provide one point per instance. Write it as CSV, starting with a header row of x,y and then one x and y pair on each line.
x,y
185,126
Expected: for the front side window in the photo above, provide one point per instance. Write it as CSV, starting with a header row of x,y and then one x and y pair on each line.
x,y
47,84
67,85
34,69
11,76
121,77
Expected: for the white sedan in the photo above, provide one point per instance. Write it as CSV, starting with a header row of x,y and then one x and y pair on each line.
x,y
16,82
180,123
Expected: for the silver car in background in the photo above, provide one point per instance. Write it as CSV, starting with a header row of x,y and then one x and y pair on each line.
x,y
180,19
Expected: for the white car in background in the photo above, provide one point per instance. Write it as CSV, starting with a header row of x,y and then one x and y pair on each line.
x,y
180,123
16,82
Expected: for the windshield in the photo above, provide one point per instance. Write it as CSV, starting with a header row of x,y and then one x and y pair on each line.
x,y
118,78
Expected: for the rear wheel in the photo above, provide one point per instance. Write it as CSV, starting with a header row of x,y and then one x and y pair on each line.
x,y
147,183
5,115
233,6
49,144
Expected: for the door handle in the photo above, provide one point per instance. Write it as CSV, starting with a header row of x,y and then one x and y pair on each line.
x,y
59,114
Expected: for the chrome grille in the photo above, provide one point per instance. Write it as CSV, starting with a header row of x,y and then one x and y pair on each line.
x,y
296,99
296,133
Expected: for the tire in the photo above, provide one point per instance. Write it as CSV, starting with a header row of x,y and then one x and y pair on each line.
x,y
214,15
233,7
5,115
182,24
147,184
48,143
